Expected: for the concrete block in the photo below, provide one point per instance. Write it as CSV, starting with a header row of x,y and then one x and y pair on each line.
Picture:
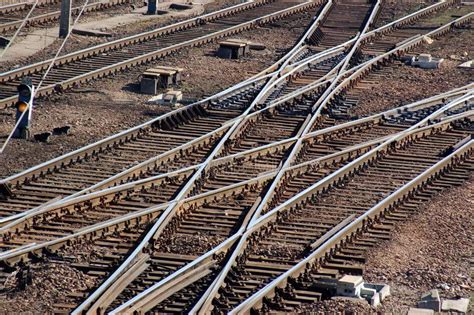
x,y
459,305
468,64
350,285
381,291
420,311
224,52
425,61
164,76
89,32
232,49
257,46
375,300
149,86
384,292
61,130
4,42
180,6
42,137
430,300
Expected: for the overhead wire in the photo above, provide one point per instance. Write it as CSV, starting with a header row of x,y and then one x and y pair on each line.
x,y
19,29
51,64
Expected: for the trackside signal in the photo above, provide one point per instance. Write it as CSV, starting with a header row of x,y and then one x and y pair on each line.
x,y
24,108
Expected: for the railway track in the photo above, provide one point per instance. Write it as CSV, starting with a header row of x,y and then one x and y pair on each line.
x,y
420,24
185,302
213,215
35,187
354,137
11,16
32,195
342,103
127,57
346,253
59,225
278,240
168,136
35,195
108,58
223,198
332,32
171,138
200,186
352,256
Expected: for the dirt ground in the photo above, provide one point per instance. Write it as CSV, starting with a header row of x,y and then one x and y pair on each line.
x,y
50,283
106,106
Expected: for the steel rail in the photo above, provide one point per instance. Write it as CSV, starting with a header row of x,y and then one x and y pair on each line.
x,y
203,304
172,48
288,57
22,6
52,16
419,130
159,287
13,223
322,102
91,304
138,170
94,198
305,128
55,243
169,213
85,191
408,18
135,38
145,298
169,285
130,39
323,249
21,254
123,135
148,298
261,99
221,94
417,40
370,35
148,164
321,252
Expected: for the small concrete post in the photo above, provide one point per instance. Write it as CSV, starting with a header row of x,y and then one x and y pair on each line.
x,y
65,19
151,7
24,108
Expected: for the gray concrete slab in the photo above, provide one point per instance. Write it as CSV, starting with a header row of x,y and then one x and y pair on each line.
x,y
459,305
420,311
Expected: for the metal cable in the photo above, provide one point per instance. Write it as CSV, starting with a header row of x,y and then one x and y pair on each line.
x,y
19,29
51,64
